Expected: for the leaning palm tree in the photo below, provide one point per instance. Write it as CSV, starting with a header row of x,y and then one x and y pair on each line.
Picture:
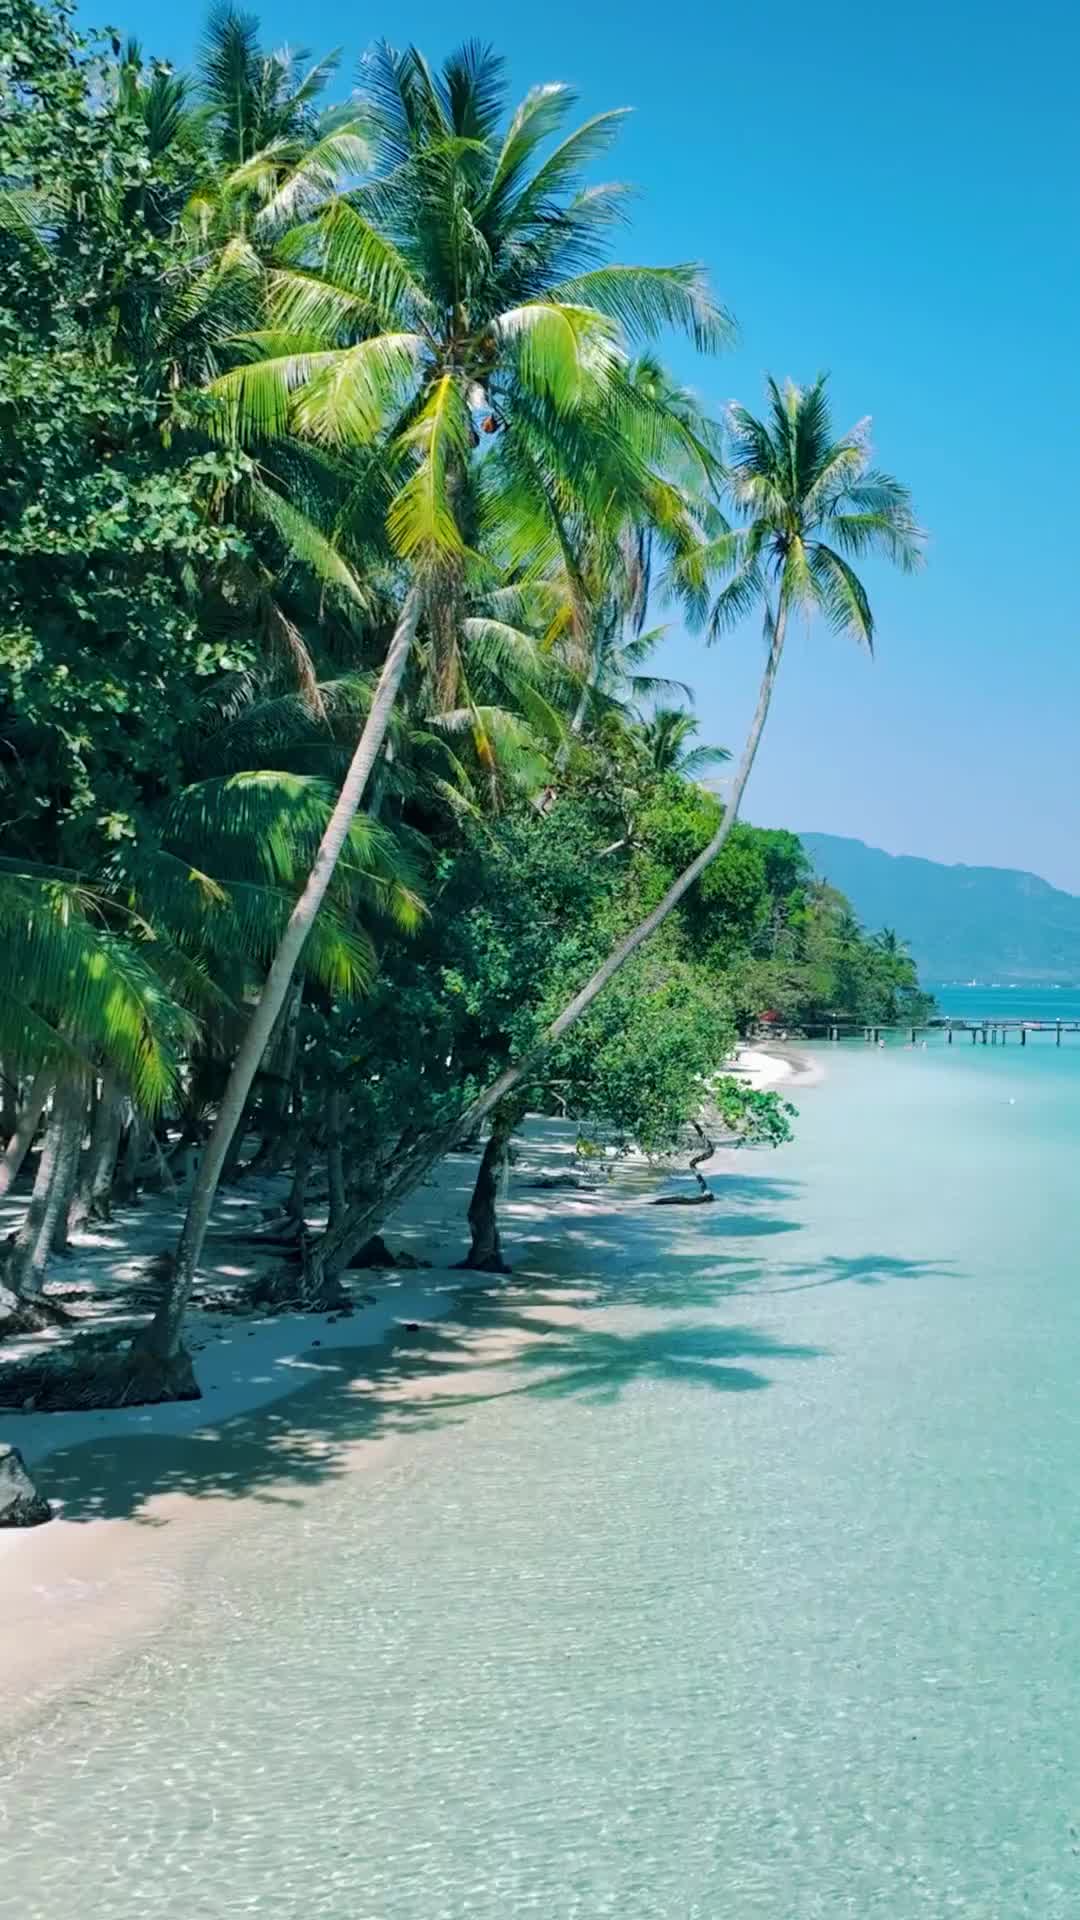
x,y
809,504
665,740
452,297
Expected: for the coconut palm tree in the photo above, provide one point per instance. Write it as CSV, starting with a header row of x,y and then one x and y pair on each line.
x,y
275,153
809,503
889,942
453,298
254,100
664,739
77,995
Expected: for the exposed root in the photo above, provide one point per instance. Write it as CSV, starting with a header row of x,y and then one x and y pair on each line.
x,y
685,1199
36,1313
482,1263
300,1288
94,1371
376,1253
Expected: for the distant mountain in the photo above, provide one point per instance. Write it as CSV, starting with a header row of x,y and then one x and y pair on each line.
x,y
962,923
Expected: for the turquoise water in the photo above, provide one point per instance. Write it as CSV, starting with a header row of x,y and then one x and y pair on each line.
x,y
748,1590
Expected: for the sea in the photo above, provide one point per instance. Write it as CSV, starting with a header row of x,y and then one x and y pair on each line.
x,y
1015,1002
744,1586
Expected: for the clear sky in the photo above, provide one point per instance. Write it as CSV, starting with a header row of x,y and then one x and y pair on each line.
x,y
890,194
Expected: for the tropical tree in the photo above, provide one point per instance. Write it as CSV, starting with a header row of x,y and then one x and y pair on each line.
x,y
666,740
450,299
77,997
888,941
809,503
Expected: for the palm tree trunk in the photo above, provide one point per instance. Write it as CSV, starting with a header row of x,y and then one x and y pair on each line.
x,y
162,1337
303,1162
9,1100
126,1177
277,1068
93,1197
335,1249
67,1173
25,1274
19,1145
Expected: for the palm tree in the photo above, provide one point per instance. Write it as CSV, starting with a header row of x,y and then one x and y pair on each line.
x,y
275,154
451,298
77,996
889,942
664,739
253,100
809,504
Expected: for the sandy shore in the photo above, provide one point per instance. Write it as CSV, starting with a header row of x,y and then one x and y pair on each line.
x,y
141,1494
779,1063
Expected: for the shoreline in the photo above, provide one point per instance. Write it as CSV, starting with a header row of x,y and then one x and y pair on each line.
x,y
143,1494
775,1064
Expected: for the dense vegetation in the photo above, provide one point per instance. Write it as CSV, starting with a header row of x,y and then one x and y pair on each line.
x,y
341,813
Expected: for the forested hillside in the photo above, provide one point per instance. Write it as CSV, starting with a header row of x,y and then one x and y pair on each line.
x,y
962,923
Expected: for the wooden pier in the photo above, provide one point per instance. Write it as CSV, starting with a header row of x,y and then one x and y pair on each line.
x,y
990,1033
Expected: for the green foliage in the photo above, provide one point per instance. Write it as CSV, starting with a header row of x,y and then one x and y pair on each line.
x,y
811,503
666,742
108,534
267,368
752,1117
75,993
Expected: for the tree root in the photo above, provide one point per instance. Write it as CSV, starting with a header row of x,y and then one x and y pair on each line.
x,y
29,1313
482,1263
291,1290
95,1372
376,1253
685,1199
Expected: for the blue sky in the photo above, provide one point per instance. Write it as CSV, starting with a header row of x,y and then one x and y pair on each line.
x,y
890,194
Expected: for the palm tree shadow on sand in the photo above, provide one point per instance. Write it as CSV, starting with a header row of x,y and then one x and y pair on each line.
x,y
362,1396
547,1339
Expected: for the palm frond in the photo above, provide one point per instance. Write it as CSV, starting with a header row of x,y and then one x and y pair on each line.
x,y
564,167
841,594
304,541
473,88
539,115
421,519
327,167
557,347
352,396
646,300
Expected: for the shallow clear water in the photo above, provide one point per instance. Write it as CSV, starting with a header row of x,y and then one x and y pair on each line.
x,y
752,1591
